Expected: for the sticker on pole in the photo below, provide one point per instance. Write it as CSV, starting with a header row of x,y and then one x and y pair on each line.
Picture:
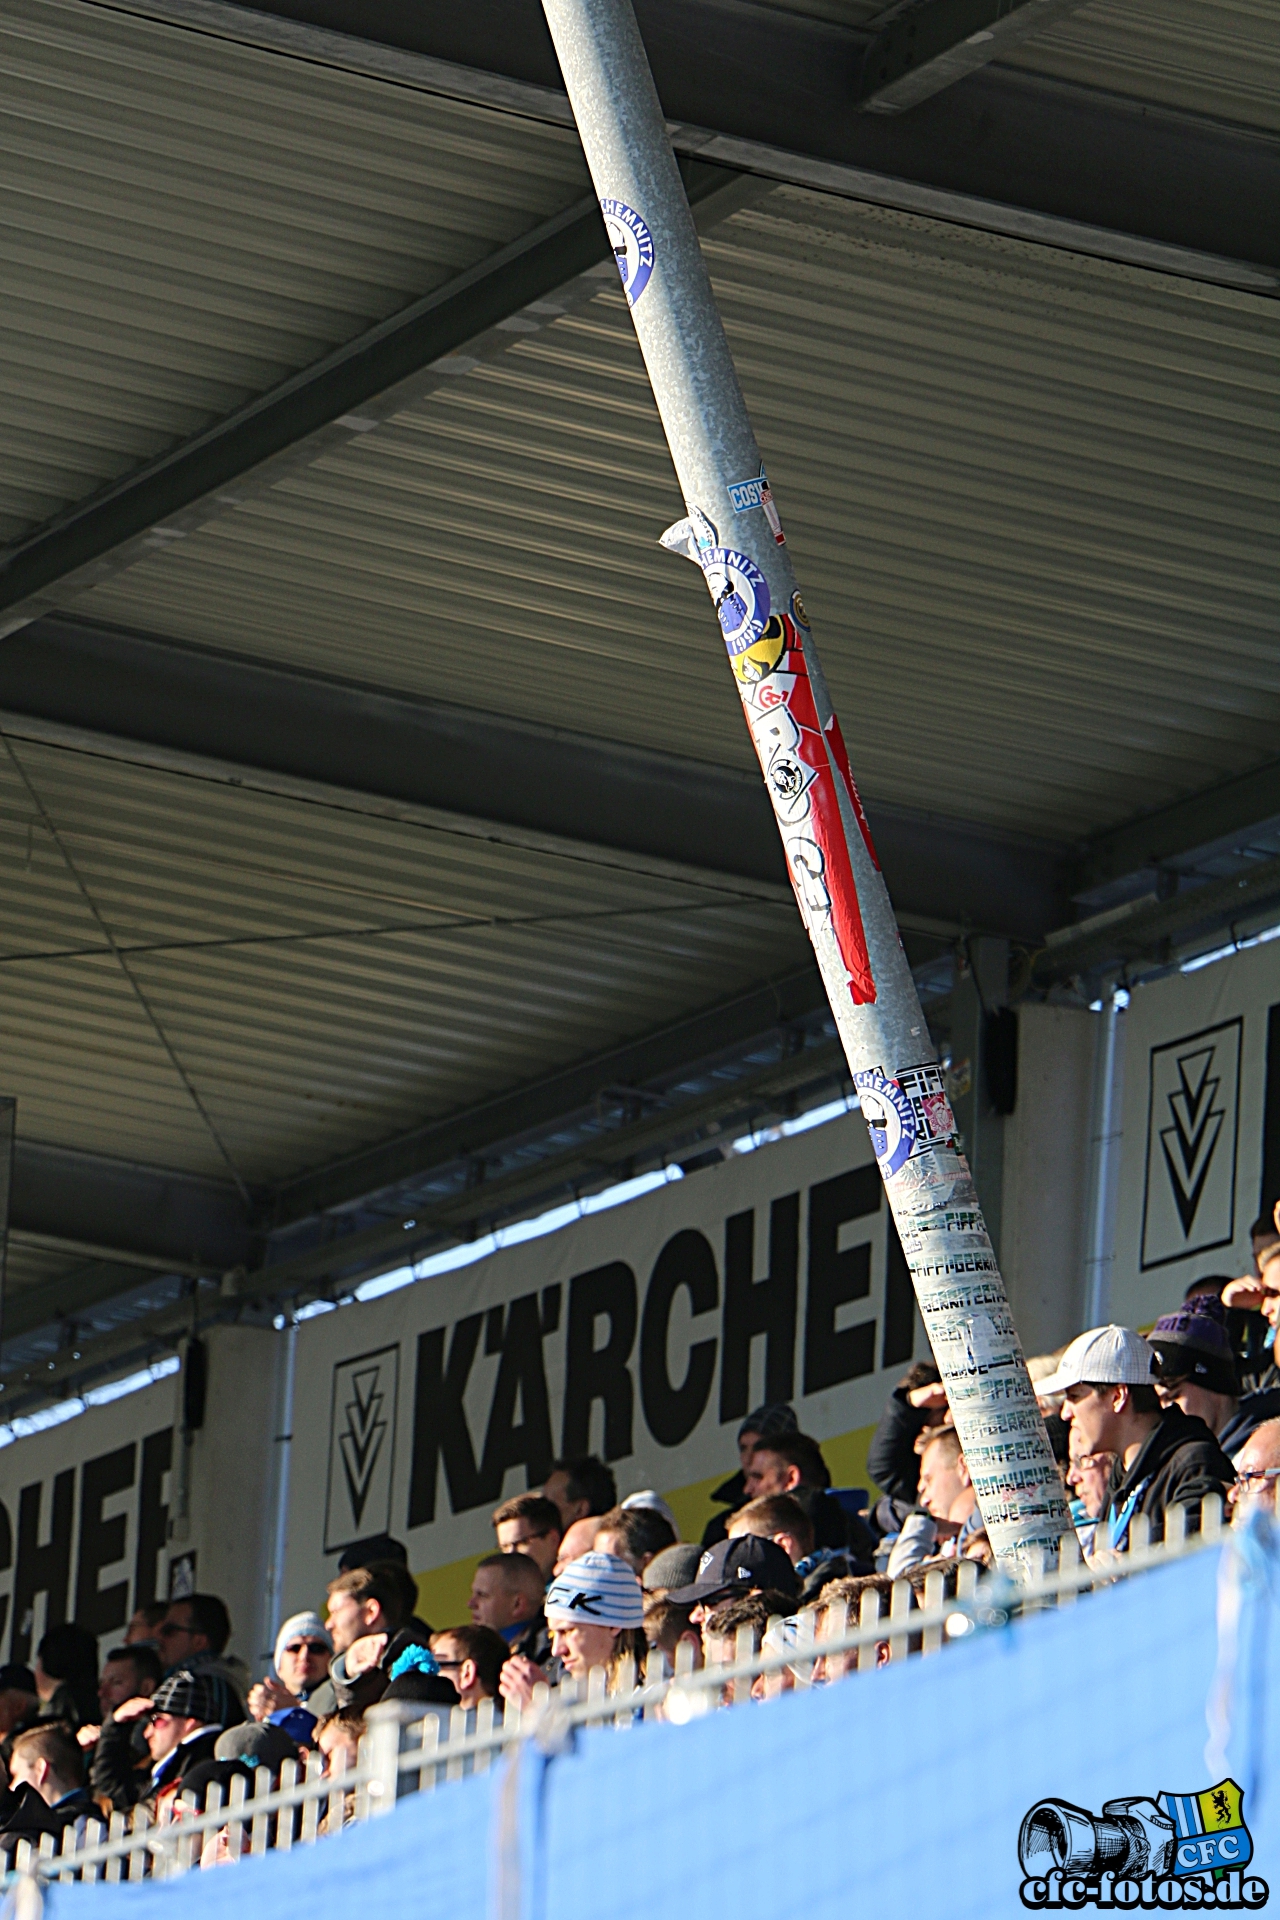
x,y
906,1115
892,1124
749,494
632,245
741,595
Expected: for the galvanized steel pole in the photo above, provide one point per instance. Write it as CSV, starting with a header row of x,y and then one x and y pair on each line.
x,y
733,532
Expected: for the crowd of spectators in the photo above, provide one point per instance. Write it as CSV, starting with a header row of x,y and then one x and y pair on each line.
x,y
581,1580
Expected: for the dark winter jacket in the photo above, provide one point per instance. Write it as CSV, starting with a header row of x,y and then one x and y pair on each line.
x,y
368,1688
23,1816
115,1774
1179,1463
892,1460
730,1494
1253,1409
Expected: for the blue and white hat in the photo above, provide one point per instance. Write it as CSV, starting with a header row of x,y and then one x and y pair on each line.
x,y
598,1590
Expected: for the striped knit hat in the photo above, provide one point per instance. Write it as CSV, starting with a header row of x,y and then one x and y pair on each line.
x,y
596,1591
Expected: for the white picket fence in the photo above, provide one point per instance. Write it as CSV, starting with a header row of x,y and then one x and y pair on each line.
x,y
409,1749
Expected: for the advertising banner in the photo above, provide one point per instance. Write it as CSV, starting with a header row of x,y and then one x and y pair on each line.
x,y
1201,1150
84,1520
643,1334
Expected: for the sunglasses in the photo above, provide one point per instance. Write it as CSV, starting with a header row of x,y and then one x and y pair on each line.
x,y
306,1646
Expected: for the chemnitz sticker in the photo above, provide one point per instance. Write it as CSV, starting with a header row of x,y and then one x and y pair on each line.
x,y
749,494
632,245
737,587
906,1114
888,1114
1184,1850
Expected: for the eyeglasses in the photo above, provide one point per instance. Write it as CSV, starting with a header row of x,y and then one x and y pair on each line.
x,y
306,1646
167,1629
1249,1475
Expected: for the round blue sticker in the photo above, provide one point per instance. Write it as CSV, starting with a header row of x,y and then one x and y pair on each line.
x,y
741,595
632,245
890,1120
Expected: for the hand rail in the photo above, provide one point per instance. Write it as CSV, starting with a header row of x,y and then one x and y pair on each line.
x,y
177,1839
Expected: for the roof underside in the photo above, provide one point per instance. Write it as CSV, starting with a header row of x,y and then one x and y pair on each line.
x,y
260,985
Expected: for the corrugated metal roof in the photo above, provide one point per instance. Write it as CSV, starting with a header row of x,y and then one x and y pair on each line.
x,y
1031,497
323,977
1216,57
185,221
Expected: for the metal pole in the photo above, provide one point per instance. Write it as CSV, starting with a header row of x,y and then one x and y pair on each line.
x,y
734,534
286,1374
1104,1148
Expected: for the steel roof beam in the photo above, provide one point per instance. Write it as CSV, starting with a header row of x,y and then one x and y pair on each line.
x,y
76,547
525,1111
1147,930
759,74
925,45
152,702
147,1217
1217,816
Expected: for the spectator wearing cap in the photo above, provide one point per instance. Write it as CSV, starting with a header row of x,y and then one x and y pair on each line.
x,y
762,1423
303,1653
1256,1487
736,1567
256,1744
653,1502
415,1676
48,1759
530,1523
193,1635
595,1610
180,1728
673,1567
1164,1457
507,1596
1196,1370
633,1534
580,1487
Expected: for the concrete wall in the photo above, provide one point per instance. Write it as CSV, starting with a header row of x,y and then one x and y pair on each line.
x,y
232,1462
1046,1175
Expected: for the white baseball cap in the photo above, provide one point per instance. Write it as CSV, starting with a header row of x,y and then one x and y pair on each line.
x,y
1103,1357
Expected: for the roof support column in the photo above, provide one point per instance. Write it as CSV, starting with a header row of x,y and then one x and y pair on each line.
x,y
842,896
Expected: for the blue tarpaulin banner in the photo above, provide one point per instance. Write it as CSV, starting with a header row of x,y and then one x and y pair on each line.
x,y
906,1784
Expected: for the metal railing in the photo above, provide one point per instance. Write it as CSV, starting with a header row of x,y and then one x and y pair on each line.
x,y
409,1748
